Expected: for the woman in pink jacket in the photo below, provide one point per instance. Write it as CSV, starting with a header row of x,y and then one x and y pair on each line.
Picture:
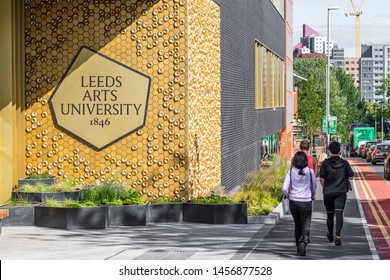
x,y
300,187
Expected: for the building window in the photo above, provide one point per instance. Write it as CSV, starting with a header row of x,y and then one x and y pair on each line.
x,y
269,79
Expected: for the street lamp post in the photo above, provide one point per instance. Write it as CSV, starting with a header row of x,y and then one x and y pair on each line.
x,y
328,78
383,103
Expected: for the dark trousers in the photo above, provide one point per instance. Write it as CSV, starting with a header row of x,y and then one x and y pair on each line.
x,y
334,205
301,212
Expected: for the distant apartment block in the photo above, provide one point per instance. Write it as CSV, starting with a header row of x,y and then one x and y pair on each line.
x,y
352,67
312,42
337,57
314,45
375,66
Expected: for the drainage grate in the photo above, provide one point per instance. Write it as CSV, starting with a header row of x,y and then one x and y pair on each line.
x,y
159,254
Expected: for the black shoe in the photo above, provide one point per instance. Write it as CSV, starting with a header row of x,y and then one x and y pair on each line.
x,y
337,241
330,237
301,249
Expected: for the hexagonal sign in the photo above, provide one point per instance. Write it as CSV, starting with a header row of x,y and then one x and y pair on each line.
x,y
100,100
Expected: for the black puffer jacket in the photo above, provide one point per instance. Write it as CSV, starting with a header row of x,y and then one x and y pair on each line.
x,y
335,171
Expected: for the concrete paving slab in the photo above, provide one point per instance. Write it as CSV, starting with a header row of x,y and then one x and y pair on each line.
x,y
206,241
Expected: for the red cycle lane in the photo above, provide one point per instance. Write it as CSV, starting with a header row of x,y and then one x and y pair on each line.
x,y
374,194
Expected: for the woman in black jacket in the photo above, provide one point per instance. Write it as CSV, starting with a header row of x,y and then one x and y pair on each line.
x,y
335,174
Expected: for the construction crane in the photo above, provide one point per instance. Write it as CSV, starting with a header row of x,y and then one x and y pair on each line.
x,y
357,13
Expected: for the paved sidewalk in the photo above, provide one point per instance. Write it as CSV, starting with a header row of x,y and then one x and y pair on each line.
x,y
357,244
156,241
190,241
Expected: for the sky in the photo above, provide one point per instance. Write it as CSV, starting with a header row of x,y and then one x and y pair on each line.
x,y
374,21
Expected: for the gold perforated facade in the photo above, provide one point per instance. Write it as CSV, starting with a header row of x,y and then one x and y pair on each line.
x,y
204,96
176,43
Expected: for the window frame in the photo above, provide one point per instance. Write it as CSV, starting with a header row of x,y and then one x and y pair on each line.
x,y
270,78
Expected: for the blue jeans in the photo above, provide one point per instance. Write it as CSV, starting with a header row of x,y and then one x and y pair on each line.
x,y
301,212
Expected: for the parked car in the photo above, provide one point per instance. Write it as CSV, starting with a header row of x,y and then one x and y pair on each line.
x,y
386,167
380,152
369,152
367,147
360,150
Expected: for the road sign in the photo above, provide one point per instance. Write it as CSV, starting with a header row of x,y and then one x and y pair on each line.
x,y
332,124
363,134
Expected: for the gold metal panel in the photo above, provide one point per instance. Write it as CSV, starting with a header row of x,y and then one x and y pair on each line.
x,y
144,35
204,119
179,145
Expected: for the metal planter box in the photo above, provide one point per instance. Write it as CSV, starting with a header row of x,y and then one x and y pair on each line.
x,y
127,215
165,213
71,218
215,213
20,216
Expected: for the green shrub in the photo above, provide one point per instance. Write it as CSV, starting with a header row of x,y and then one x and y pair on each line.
x,y
260,210
112,192
164,200
268,178
39,176
64,186
39,187
117,202
133,200
259,202
68,185
263,188
19,201
89,203
213,199
72,204
66,203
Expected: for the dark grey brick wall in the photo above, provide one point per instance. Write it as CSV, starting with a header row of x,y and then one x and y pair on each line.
x,y
243,22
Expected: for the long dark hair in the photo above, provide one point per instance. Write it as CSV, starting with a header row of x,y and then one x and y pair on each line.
x,y
300,161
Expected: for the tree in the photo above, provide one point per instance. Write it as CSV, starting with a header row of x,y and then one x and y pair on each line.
x,y
350,106
309,113
345,101
382,107
316,68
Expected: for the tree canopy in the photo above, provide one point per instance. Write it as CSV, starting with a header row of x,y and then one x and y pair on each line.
x,y
345,101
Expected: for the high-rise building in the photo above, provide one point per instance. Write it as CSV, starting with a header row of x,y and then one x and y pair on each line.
x,y
375,66
337,57
352,67
312,42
